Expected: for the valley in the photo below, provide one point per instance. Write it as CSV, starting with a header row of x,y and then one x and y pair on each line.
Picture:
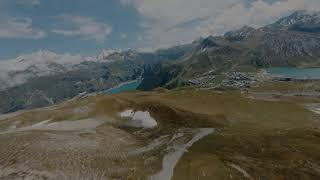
x,y
243,105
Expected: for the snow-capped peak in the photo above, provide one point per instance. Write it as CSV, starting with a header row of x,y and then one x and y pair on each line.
x,y
300,17
41,63
46,56
106,53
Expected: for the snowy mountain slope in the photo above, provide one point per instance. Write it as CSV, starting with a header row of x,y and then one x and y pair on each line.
x,y
42,63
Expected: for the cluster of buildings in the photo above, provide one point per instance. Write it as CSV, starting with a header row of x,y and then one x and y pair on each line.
x,y
239,80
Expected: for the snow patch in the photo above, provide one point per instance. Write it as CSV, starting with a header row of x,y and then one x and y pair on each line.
x,y
40,124
127,114
317,110
239,169
79,125
314,107
153,145
103,56
139,118
171,159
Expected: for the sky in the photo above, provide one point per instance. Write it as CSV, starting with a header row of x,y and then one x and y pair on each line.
x,y
85,27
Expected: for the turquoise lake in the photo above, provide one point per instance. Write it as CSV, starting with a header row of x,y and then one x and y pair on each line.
x,y
295,73
130,86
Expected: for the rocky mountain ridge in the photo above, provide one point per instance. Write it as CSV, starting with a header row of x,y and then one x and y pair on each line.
x,y
44,77
246,49
300,21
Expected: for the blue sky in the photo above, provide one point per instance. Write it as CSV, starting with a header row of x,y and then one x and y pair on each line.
x,y
48,15
87,26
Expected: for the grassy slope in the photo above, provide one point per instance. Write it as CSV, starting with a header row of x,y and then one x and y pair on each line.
x,y
269,140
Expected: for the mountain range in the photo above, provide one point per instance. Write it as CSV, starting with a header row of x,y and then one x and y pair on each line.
x,y
43,78
293,41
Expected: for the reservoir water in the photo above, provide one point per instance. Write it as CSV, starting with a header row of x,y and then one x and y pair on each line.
x,y
127,86
295,73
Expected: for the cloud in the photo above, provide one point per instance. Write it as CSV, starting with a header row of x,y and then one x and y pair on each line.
x,y
12,27
31,2
83,27
19,70
258,14
7,3
169,22
35,2
123,36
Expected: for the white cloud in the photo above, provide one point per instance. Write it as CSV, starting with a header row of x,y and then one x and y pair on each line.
x,y
35,2
21,2
31,2
84,27
259,14
12,27
124,36
169,22
42,63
